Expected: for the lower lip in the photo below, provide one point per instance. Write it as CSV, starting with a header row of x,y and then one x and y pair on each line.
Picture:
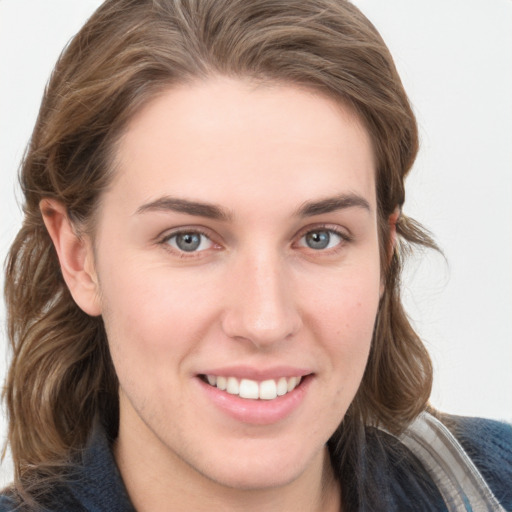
x,y
257,412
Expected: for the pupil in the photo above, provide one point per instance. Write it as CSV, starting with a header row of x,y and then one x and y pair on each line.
x,y
188,242
318,239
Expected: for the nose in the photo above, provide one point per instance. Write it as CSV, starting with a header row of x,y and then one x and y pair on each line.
x,y
261,304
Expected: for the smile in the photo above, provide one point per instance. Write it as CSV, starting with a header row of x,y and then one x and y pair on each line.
x,y
252,389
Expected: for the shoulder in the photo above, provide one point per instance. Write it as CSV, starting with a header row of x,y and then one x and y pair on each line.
x,y
392,478
489,445
56,502
91,483
7,503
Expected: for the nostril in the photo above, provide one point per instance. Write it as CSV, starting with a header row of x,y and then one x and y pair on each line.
x,y
262,330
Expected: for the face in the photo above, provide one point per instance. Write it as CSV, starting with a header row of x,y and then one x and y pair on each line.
x,y
237,260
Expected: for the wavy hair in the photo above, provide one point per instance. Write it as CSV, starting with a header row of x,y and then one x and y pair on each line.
x,y
61,375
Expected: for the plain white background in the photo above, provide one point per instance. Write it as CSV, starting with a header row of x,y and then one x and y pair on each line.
x,y
455,59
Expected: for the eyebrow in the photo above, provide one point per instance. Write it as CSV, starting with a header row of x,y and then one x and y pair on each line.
x,y
196,208
212,211
332,204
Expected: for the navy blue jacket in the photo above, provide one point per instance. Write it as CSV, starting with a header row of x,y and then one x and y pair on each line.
x,y
98,487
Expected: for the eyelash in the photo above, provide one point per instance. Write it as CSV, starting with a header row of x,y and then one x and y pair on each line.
x,y
342,234
345,238
164,241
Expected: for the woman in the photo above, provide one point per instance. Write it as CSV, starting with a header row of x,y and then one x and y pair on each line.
x,y
203,299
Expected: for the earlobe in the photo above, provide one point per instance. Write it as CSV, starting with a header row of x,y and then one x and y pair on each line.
x,y
75,255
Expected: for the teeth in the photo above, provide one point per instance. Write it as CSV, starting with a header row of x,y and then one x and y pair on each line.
x,y
221,383
252,389
268,390
249,389
282,386
233,388
292,383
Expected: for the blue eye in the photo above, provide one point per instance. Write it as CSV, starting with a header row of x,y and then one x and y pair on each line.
x,y
189,241
321,239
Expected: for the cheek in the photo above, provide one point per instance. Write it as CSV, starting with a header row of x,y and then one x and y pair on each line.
x,y
343,317
347,302
341,320
152,320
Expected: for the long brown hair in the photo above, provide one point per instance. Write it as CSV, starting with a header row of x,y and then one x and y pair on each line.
x,y
61,374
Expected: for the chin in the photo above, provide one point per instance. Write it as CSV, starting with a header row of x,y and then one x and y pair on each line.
x,y
263,467
258,477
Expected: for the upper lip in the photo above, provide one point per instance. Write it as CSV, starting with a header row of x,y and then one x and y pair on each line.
x,y
258,374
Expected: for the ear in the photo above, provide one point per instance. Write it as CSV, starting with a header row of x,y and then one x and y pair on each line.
x,y
75,254
392,220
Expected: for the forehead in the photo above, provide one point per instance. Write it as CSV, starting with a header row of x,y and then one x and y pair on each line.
x,y
224,139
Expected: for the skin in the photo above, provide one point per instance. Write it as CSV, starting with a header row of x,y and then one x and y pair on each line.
x,y
254,294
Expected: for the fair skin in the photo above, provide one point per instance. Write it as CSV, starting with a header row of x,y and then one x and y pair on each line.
x,y
238,241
